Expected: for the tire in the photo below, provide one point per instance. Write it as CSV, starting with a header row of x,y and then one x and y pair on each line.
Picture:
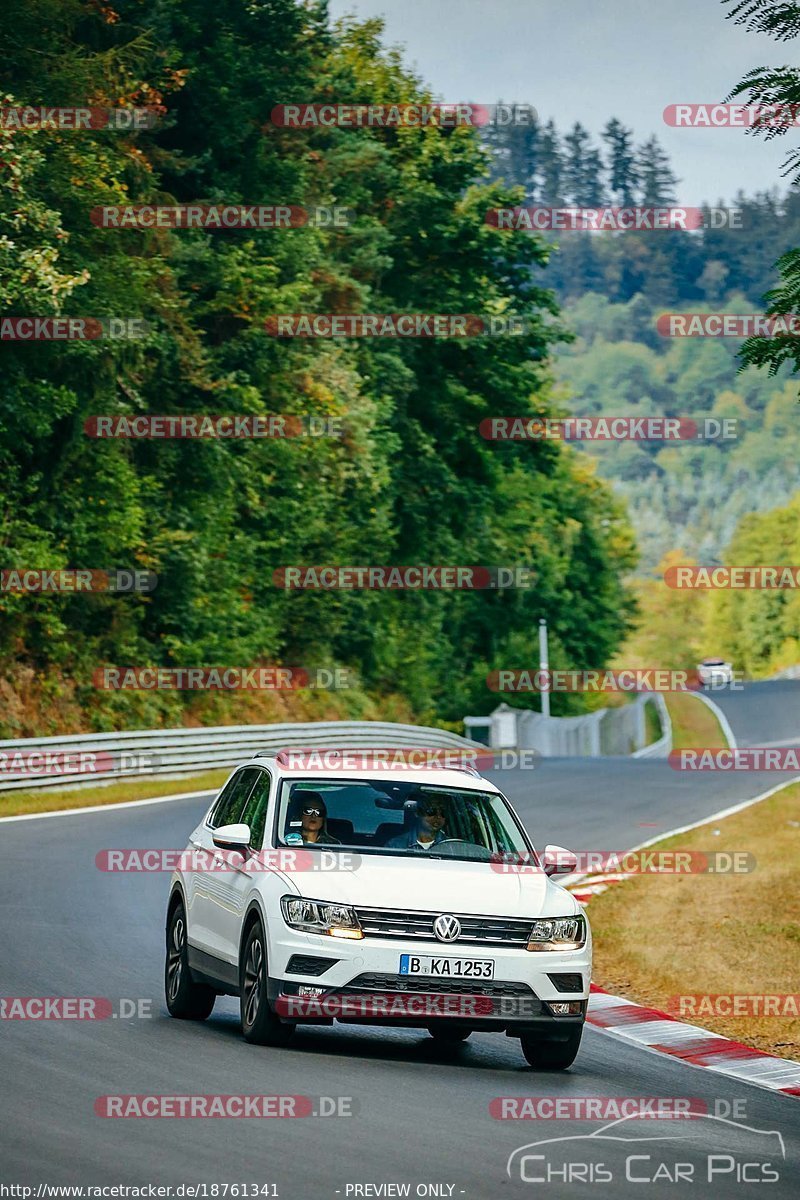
x,y
448,1035
547,1054
186,999
259,1023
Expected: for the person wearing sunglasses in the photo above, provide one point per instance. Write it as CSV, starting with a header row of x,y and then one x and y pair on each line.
x,y
313,822
428,829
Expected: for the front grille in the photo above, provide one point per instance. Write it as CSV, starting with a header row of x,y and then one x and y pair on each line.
x,y
567,983
410,925
309,964
376,982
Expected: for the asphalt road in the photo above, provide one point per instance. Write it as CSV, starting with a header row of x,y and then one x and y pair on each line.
x,y
421,1113
762,714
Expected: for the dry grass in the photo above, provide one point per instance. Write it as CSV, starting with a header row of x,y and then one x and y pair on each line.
x,y
660,936
693,723
14,804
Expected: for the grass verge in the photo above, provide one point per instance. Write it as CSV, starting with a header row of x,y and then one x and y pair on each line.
x,y
693,722
662,936
14,804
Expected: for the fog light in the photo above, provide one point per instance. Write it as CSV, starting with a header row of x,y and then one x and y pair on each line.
x,y
305,989
564,1008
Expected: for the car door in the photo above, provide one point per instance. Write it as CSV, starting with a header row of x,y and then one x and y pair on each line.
x,y
230,894
207,885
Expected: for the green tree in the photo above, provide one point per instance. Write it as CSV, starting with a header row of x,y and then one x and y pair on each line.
x,y
621,162
656,180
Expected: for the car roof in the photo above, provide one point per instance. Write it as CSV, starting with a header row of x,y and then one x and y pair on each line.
x,y
446,777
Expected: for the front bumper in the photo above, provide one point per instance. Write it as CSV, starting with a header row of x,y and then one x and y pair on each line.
x,y
360,983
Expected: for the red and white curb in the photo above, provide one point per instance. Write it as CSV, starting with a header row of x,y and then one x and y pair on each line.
x,y
592,885
699,1047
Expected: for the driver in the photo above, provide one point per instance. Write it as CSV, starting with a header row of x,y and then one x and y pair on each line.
x,y
428,830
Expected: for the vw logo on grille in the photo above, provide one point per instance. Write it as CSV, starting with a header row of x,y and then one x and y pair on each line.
x,y
447,928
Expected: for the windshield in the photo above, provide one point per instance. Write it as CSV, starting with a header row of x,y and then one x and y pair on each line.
x,y
397,818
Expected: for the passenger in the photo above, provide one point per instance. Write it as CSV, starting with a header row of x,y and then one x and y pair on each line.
x,y
428,829
313,823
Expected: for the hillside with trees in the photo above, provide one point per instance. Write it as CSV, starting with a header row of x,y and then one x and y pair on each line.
x,y
409,482
614,286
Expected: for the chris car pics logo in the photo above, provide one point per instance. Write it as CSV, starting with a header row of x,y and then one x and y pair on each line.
x,y
708,1149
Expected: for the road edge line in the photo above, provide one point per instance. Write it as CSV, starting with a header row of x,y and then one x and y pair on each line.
x,y
115,807
724,723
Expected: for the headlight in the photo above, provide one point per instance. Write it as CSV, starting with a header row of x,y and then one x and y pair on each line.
x,y
315,916
558,933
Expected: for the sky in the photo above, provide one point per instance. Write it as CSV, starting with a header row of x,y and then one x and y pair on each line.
x,y
590,61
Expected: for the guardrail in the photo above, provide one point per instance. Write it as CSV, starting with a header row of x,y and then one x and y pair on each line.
x,y
792,672
607,731
106,757
661,747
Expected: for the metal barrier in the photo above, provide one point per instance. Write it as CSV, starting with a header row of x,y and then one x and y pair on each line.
x,y
104,757
661,747
608,731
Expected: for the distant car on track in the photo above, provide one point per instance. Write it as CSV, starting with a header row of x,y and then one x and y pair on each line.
x,y
405,897
715,673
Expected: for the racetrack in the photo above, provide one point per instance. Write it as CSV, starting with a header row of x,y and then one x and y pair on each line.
x,y
422,1112
765,713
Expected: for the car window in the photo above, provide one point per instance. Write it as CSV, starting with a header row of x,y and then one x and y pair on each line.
x,y
233,797
382,816
255,811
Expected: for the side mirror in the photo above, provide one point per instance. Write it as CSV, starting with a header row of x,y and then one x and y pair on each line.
x,y
232,837
558,861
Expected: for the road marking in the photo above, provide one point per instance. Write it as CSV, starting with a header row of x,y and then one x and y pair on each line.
x,y
580,882
73,812
727,732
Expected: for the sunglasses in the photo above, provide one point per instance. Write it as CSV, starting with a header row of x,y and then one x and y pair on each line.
x,y
433,812
313,812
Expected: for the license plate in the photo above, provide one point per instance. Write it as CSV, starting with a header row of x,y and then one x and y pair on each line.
x,y
447,968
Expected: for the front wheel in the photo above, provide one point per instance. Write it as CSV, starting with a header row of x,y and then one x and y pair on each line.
x,y
259,1023
185,999
547,1054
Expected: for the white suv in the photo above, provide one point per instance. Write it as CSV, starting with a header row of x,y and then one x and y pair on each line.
x,y
393,896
